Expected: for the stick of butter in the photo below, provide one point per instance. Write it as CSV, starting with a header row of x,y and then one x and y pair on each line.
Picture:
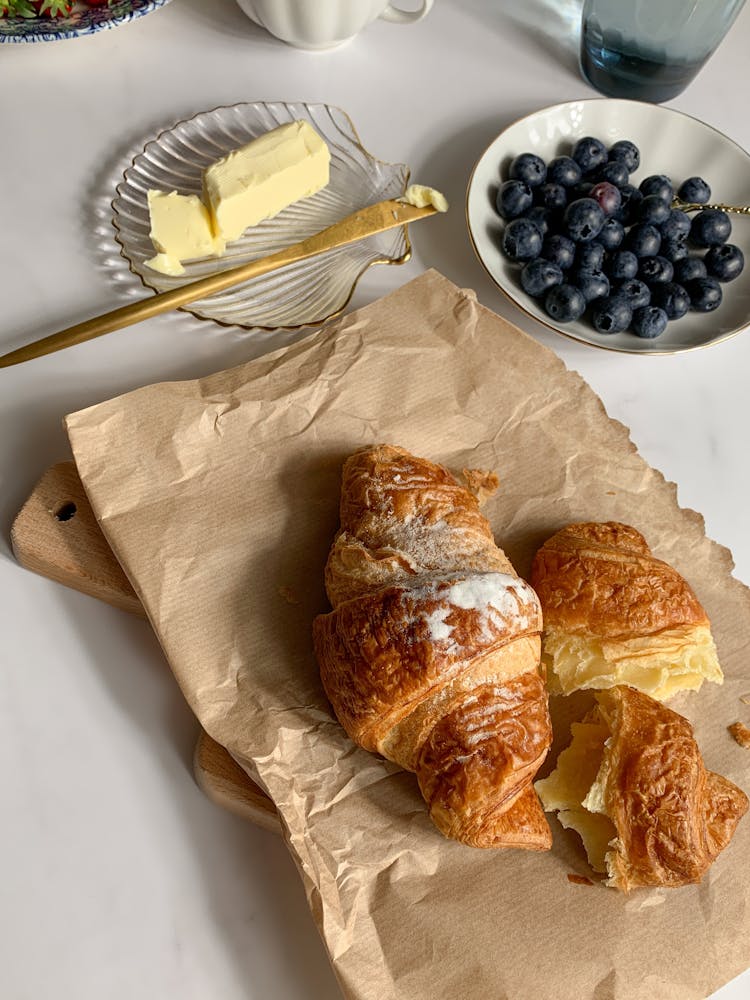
x,y
181,229
260,179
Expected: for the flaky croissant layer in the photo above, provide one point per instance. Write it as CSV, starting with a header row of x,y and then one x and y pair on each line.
x,y
633,784
614,614
431,653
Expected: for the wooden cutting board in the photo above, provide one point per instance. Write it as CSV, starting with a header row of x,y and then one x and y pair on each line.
x,y
56,534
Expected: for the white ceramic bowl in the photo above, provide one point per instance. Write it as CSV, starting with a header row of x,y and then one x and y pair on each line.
x,y
670,143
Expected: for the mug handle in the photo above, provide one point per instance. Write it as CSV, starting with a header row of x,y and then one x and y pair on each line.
x,y
392,13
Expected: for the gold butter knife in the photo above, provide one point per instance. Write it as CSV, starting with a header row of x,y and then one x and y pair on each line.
x,y
365,222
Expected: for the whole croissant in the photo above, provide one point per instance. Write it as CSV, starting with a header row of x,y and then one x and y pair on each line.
x,y
431,654
614,614
633,784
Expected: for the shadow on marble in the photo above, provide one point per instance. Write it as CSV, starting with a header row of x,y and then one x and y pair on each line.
x,y
550,26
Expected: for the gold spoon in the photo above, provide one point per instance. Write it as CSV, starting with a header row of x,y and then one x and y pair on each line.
x,y
361,224
689,206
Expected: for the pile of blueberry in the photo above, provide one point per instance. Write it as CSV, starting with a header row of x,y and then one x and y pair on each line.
x,y
587,239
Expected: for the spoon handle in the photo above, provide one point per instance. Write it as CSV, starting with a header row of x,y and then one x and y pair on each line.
x,y
689,206
366,222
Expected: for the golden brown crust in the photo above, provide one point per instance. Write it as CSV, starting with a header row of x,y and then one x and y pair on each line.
x,y
672,816
387,482
379,659
481,755
601,579
431,653
402,516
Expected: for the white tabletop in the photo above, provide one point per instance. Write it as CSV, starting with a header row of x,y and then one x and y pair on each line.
x,y
120,879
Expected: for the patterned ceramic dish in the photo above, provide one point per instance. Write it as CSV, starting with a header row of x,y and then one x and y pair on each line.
x,y
671,143
299,295
82,21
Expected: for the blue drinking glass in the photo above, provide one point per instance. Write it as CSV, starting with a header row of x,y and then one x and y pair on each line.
x,y
650,50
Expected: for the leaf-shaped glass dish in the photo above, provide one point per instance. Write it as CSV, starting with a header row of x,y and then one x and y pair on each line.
x,y
302,294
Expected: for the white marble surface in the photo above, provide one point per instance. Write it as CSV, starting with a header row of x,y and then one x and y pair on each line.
x,y
119,878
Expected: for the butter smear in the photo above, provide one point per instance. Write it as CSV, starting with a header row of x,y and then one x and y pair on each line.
x,y
422,196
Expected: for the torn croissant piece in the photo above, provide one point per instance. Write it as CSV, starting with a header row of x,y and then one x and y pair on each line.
x,y
613,614
431,654
633,784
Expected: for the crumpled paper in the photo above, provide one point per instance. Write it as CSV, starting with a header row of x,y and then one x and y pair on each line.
x,y
220,499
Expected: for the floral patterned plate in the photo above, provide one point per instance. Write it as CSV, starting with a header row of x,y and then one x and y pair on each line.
x,y
83,20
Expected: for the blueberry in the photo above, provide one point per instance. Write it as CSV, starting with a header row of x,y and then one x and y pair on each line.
x,y
654,210
688,268
539,275
558,249
705,294
611,315
676,224
657,184
540,216
635,293
672,298
529,168
607,197
623,265
644,240
564,170
564,303
694,190
590,256
655,270
551,195
589,153
522,240
631,199
611,234
513,198
615,172
626,152
593,284
674,248
725,262
583,219
649,322
710,228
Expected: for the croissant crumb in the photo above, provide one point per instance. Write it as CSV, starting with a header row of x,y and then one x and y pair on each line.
x,y
480,483
741,734
289,595
579,879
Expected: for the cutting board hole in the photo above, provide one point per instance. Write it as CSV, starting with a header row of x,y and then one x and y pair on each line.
x,y
66,511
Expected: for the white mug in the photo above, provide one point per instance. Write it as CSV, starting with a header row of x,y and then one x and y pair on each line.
x,y
322,24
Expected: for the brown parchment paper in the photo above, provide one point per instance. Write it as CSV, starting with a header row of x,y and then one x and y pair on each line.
x,y
220,499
